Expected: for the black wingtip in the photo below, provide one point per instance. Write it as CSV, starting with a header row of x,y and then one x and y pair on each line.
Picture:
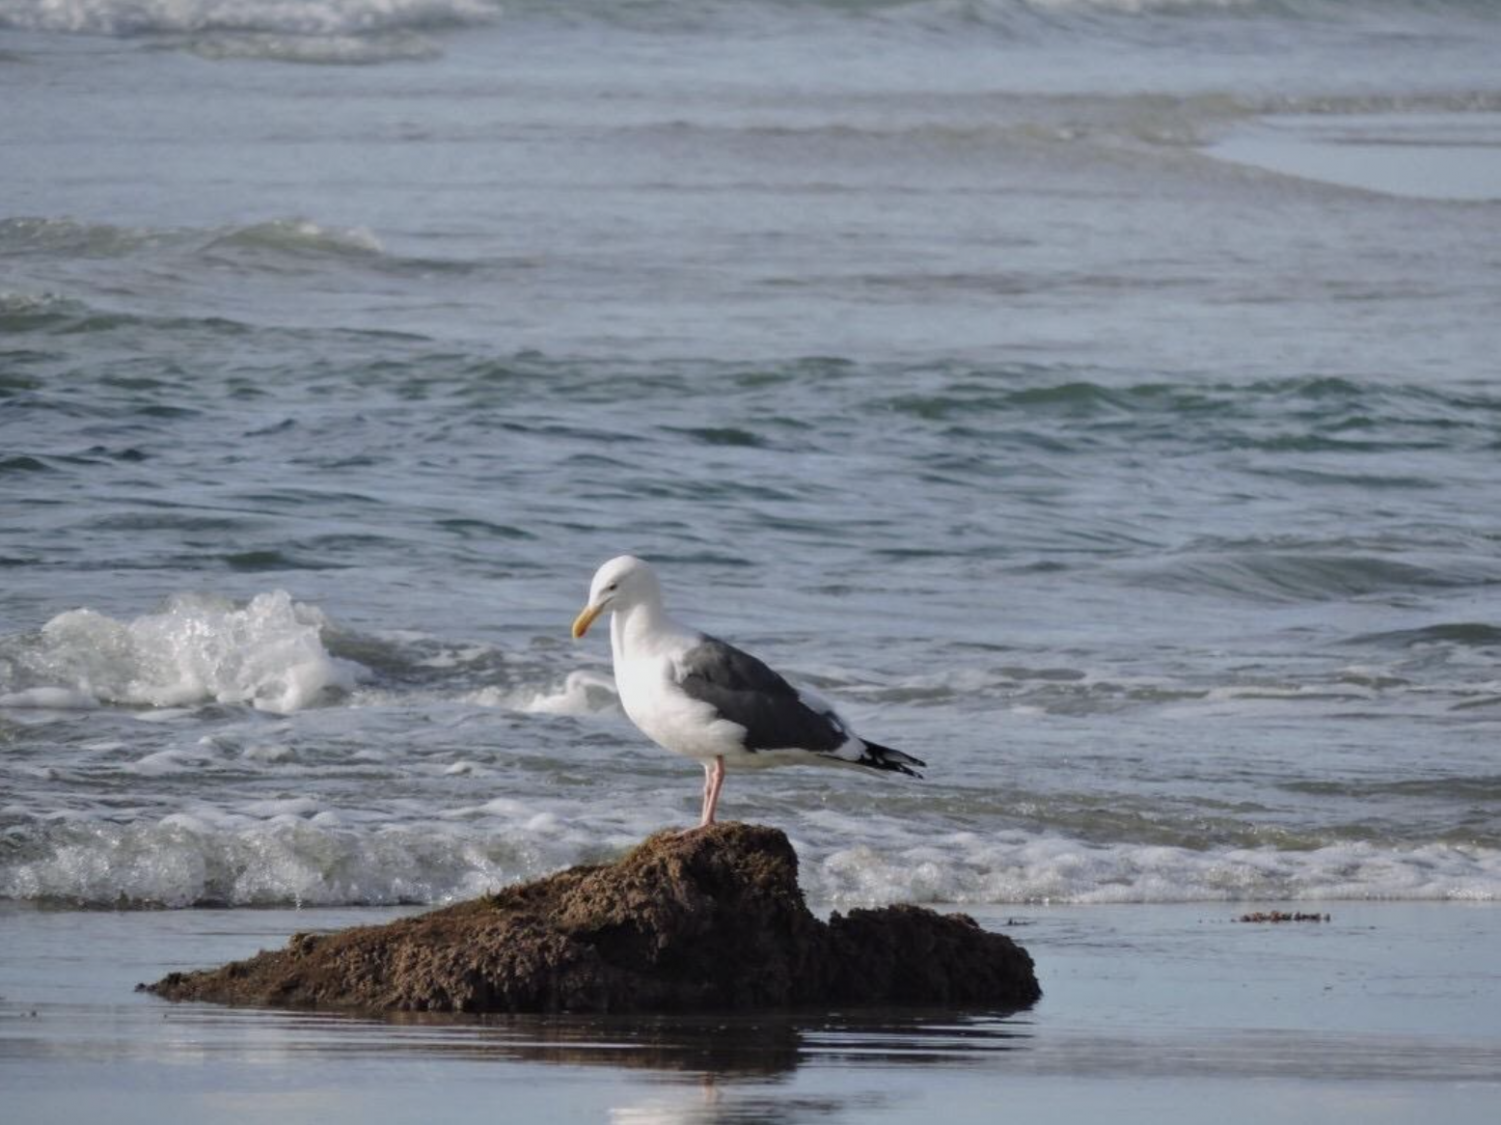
x,y
885,758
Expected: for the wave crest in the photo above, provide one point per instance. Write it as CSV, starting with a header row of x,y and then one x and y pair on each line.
x,y
307,860
182,861
268,654
1059,869
300,236
287,17
323,50
123,18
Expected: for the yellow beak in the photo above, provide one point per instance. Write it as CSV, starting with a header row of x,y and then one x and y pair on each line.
x,y
582,622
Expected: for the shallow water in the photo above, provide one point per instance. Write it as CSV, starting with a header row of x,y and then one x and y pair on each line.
x,y
932,351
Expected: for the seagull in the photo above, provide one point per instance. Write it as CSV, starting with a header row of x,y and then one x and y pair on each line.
x,y
707,700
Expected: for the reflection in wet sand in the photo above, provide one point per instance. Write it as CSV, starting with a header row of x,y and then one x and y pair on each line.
x,y
733,1046
718,1103
715,1070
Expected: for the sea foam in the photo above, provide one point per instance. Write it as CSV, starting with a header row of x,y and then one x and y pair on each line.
x,y
292,17
287,859
199,649
1053,868
294,851
583,692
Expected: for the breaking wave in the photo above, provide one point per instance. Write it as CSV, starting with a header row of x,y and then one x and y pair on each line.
x,y
325,50
198,649
184,860
376,17
289,17
305,856
63,237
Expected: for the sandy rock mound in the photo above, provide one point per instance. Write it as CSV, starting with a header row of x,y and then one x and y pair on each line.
x,y
712,920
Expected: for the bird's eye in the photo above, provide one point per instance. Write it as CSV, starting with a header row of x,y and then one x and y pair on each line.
x,y
612,587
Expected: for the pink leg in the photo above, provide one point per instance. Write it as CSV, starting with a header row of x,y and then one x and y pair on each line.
x,y
703,811
714,782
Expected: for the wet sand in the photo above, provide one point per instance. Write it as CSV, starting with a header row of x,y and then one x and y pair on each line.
x,y
1387,1012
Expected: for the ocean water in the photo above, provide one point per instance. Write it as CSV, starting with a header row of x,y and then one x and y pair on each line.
x,y
1097,398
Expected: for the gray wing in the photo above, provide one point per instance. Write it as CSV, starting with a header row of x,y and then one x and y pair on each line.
x,y
745,691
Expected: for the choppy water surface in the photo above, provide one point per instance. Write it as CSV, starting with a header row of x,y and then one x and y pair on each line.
x,y
930,350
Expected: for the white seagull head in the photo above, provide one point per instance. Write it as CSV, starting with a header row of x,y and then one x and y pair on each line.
x,y
623,582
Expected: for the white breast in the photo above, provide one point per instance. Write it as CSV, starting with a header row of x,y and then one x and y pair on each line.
x,y
670,717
